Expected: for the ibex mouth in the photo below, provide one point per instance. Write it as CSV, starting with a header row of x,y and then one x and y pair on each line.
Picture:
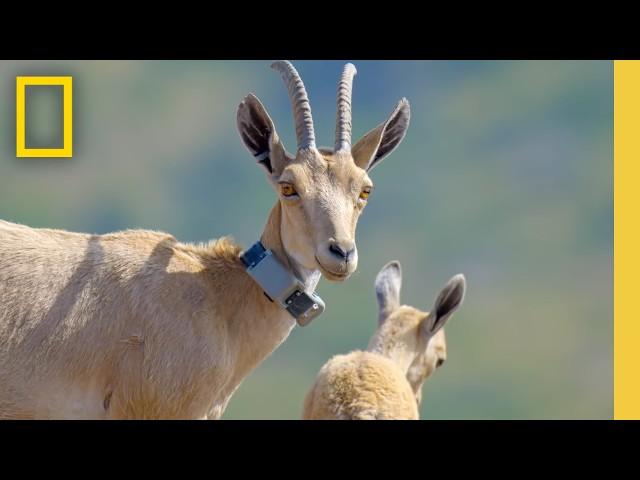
x,y
331,275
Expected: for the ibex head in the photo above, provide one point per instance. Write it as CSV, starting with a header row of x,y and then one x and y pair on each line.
x,y
413,338
322,192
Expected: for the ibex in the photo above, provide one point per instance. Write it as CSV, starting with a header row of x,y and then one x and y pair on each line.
x,y
385,382
135,324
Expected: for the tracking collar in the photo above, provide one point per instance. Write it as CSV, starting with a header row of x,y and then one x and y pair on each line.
x,y
280,285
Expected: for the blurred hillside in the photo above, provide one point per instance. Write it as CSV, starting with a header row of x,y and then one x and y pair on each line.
x,y
505,175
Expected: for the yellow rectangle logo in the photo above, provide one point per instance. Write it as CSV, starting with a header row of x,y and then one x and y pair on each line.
x,y
67,91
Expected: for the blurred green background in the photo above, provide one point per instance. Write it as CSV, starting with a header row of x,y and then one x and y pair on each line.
x,y
505,175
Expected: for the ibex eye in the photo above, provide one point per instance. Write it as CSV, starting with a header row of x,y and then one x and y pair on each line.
x,y
364,194
287,190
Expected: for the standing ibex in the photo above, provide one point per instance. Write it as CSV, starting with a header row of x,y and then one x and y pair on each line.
x,y
135,324
385,382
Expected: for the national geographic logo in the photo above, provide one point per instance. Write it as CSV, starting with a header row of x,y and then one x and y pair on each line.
x,y
25,148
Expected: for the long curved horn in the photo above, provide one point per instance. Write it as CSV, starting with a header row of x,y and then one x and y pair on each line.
x,y
343,120
300,103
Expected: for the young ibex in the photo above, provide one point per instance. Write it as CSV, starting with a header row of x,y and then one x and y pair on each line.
x,y
135,324
385,382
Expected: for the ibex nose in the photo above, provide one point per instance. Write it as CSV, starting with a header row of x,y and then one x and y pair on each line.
x,y
342,250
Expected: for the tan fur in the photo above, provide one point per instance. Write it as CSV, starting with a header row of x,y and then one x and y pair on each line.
x,y
384,382
360,386
159,328
399,338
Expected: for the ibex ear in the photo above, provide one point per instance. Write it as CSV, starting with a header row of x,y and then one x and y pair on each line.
x,y
259,134
371,149
448,301
388,284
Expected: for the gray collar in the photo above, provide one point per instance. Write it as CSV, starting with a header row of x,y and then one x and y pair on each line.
x,y
280,285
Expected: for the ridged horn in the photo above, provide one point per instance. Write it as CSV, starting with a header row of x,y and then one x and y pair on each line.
x,y
300,103
343,120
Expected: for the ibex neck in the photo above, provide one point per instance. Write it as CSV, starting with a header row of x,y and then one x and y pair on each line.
x,y
391,350
260,326
272,239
